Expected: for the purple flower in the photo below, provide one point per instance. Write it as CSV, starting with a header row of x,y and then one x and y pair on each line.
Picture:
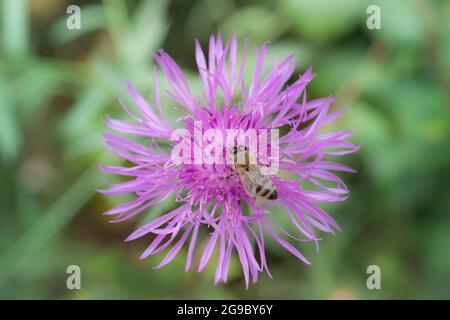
x,y
210,197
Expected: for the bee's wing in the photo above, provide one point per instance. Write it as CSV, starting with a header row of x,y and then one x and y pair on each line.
x,y
248,183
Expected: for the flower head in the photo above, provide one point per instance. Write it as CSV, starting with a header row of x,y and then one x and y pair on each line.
x,y
211,195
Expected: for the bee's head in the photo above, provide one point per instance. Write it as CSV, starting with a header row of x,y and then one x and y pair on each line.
x,y
237,149
238,154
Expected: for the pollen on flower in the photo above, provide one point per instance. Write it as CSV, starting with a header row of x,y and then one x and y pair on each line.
x,y
210,191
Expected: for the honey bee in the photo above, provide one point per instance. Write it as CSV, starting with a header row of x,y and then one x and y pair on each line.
x,y
253,181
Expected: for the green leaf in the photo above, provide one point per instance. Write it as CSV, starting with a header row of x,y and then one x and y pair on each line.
x,y
149,26
325,20
20,254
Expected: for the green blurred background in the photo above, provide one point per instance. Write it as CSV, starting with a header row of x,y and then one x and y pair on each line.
x,y
56,84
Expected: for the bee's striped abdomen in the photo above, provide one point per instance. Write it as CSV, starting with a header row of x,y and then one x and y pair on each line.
x,y
267,190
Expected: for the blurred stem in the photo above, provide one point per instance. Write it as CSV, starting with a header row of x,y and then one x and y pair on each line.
x,y
20,255
14,26
116,13
10,133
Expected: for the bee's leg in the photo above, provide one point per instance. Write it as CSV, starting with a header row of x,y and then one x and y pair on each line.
x,y
230,175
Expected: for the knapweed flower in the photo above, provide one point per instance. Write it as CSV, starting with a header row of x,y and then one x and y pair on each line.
x,y
210,215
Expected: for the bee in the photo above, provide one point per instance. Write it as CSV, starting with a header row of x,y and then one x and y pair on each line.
x,y
253,181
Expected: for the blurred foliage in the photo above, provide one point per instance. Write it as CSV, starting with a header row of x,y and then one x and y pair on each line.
x,y
56,85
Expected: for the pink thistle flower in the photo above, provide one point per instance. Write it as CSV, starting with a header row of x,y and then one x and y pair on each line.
x,y
209,196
